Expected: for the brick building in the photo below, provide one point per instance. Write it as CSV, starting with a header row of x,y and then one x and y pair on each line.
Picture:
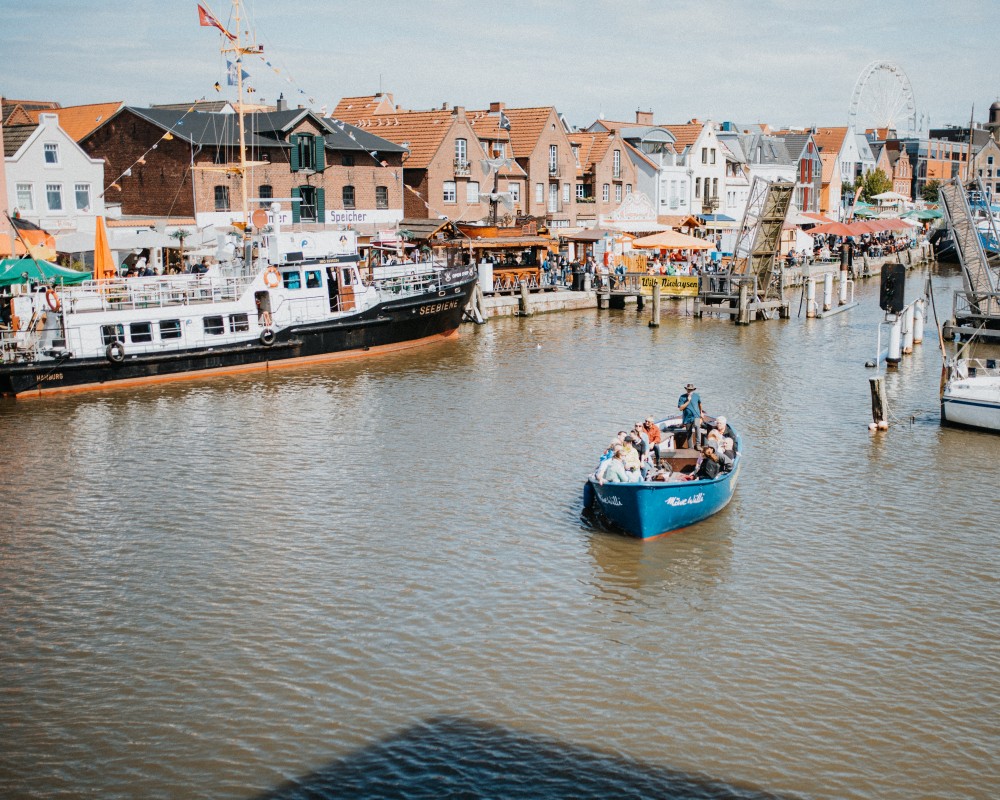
x,y
169,162
605,173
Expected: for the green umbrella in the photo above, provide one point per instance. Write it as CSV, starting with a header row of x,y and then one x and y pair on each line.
x,y
19,270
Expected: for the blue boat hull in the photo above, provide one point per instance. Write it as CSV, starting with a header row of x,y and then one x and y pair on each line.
x,y
646,510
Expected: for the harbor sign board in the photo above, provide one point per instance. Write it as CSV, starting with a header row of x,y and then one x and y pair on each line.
x,y
670,285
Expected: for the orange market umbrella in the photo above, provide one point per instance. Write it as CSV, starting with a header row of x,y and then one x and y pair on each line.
x,y
834,229
672,240
104,263
863,226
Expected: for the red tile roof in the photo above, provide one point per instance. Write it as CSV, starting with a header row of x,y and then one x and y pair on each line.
x,y
421,131
830,140
526,126
686,135
353,109
78,121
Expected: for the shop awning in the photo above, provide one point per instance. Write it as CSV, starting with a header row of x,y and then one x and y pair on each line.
x,y
17,270
672,240
513,241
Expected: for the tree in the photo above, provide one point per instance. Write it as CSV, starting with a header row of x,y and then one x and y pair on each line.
x,y
930,190
180,235
874,182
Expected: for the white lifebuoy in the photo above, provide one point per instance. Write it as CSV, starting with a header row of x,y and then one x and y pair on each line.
x,y
53,299
272,278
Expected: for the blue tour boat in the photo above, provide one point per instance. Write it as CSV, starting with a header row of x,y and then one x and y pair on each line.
x,y
652,508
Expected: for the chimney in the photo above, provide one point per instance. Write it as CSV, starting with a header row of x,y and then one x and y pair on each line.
x,y
459,112
496,107
281,105
643,117
694,122
444,106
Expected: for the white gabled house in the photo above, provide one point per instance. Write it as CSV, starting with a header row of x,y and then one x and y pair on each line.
x,y
51,181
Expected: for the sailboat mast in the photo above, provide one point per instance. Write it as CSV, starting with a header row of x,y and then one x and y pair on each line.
x,y
239,108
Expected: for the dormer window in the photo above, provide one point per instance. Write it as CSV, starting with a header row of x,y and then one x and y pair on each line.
x,y
51,153
308,152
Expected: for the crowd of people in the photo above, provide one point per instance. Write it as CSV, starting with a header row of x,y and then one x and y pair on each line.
x,y
644,453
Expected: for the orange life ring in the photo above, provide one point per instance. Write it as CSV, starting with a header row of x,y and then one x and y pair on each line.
x,y
53,299
272,274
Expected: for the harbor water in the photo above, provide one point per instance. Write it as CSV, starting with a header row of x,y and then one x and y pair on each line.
x,y
371,579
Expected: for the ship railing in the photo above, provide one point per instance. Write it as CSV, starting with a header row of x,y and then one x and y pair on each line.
x,y
982,306
973,367
18,345
136,293
409,281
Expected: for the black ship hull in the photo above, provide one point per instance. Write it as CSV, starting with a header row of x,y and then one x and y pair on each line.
x,y
391,325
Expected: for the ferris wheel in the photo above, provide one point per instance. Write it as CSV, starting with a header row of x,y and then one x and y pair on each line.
x,y
883,98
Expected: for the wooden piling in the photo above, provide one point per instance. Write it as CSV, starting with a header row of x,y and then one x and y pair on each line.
x,y
880,405
524,304
654,321
743,310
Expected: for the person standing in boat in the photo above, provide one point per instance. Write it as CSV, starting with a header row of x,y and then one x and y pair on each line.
x,y
689,404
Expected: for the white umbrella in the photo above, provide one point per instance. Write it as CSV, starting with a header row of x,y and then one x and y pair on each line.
x,y
890,196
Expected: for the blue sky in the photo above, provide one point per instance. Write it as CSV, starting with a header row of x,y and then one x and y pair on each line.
x,y
776,61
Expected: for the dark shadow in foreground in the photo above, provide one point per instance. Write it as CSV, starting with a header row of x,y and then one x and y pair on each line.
x,y
453,757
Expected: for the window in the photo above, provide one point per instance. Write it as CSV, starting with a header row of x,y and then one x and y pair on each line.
x,y
697,187
25,197
461,151
628,189
450,192
347,194
472,192
576,154
265,192
581,191
238,323
553,159
309,208
314,279
704,155
712,154
515,192
347,159
112,333
381,197
553,197
53,196
214,326
51,154
140,332
606,192
291,280
82,196
566,191
221,198
170,329
500,149
616,168
618,192
306,149
539,192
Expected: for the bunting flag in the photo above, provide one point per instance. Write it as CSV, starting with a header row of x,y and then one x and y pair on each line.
x,y
207,20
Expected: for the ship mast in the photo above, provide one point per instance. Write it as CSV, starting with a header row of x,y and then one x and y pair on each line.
x,y
239,50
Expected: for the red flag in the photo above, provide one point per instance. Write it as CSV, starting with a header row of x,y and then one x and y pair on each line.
x,y
207,20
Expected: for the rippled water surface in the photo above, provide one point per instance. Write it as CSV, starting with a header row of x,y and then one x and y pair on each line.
x,y
370,579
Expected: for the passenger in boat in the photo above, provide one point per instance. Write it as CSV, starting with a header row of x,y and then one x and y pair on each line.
x,y
717,433
709,467
654,434
614,471
689,404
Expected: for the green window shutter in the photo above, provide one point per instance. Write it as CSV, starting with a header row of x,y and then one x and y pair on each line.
x,y
296,194
321,204
294,156
320,153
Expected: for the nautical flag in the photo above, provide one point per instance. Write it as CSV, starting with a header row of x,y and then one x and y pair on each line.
x,y
504,122
231,73
207,20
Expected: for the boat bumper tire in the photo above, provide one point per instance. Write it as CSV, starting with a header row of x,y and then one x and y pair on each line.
x,y
267,337
115,352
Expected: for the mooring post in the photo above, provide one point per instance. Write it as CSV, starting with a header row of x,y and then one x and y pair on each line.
x,y
843,287
654,321
918,321
894,356
743,310
867,265
524,303
880,406
828,291
908,315
811,297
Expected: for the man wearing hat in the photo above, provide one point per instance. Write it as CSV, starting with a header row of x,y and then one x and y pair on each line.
x,y
690,406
